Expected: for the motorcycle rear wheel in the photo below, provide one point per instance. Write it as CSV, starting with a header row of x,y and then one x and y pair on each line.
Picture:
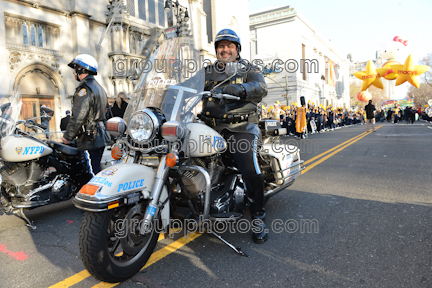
x,y
109,254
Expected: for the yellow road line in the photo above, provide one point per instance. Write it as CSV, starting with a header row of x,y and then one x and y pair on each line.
x,y
328,151
337,151
74,279
158,255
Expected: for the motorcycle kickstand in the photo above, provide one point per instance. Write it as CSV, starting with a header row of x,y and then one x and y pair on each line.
x,y
20,213
236,249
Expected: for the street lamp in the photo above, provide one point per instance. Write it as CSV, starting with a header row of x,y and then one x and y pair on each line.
x,y
180,12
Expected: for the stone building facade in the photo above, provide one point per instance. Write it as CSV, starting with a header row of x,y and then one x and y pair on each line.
x,y
38,38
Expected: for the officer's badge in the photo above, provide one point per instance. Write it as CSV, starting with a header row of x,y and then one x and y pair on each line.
x,y
239,80
18,150
82,92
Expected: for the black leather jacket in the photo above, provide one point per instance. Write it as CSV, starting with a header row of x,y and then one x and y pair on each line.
x,y
256,88
89,107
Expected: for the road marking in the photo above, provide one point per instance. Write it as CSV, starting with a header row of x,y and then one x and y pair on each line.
x,y
72,280
158,255
337,151
429,127
328,151
20,256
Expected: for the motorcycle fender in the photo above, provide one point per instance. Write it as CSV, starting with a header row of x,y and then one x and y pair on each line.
x,y
121,184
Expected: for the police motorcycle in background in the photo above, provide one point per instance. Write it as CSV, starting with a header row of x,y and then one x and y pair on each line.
x,y
34,172
173,168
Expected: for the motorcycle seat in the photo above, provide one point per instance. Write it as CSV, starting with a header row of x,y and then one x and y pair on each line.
x,y
65,149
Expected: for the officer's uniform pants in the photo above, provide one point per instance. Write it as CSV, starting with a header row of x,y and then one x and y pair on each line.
x,y
243,147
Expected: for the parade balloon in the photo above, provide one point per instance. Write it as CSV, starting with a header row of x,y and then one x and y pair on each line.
x,y
367,96
390,74
371,76
409,72
360,96
364,96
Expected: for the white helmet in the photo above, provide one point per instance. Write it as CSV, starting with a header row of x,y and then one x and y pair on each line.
x,y
85,61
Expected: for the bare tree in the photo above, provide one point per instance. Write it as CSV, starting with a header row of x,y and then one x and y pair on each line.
x,y
427,60
354,90
421,95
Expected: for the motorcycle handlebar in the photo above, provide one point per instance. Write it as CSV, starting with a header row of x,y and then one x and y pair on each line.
x,y
219,95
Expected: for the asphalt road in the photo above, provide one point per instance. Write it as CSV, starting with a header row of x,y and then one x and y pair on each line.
x,y
370,198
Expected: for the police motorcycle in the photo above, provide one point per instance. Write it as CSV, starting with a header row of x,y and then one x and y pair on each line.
x,y
34,172
173,168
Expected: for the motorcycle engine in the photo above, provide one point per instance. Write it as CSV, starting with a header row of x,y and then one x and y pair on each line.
x,y
22,175
195,182
62,188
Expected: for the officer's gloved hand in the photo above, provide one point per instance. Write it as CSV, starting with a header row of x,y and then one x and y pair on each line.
x,y
235,90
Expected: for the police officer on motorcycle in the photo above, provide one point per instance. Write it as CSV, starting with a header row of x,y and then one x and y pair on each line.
x,y
88,112
237,120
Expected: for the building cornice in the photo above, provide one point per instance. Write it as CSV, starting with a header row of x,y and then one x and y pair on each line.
x,y
37,5
270,11
271,15
33,49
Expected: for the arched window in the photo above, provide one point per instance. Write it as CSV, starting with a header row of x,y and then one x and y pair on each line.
x,y
25,34
40,37
33,36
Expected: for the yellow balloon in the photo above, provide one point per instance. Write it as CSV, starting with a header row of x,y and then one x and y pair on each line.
x,y
371,76
277,102
390,75
409,72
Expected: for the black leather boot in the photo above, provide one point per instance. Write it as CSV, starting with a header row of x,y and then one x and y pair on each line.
x,y
259,228
255,191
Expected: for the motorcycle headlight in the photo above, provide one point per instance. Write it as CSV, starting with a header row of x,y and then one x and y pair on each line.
x,y
143,126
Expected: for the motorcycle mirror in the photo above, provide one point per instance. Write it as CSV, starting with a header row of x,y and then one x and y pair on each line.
x,y
232,68
116,126
47,110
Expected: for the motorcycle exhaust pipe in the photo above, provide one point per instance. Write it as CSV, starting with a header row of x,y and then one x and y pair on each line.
x,y
273,192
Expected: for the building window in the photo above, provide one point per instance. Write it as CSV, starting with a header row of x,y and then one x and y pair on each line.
x,y
152,11
40,36
130,7
142,9
33,36
161,12
148,10
25,34
133,51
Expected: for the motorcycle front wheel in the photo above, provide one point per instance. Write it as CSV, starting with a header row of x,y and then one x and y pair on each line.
x,y
111,247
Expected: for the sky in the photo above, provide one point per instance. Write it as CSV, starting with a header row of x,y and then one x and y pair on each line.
x,y
362,27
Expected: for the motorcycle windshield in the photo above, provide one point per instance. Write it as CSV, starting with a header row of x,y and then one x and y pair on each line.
x,y
170,80
10,111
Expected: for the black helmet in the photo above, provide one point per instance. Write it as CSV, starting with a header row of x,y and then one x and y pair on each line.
x,y
230,35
